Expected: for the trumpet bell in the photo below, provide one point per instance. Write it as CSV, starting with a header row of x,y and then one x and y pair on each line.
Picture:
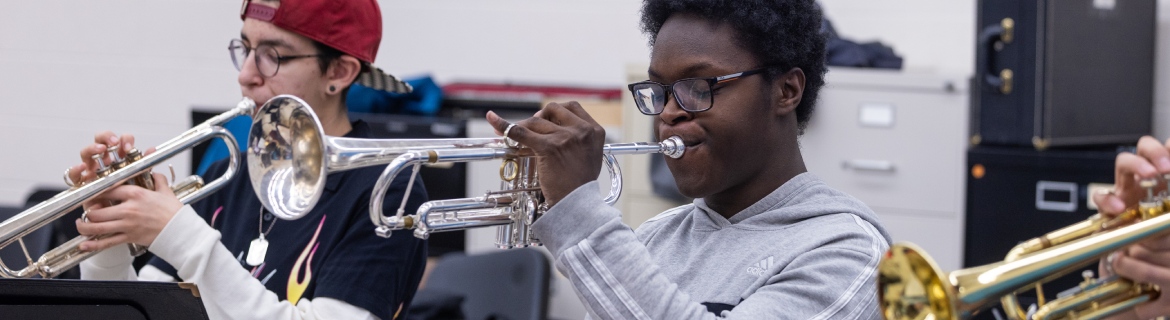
x,y
289,156
286,157
911,285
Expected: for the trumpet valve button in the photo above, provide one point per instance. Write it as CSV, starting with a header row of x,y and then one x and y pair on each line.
x,y
1148,183
133,155
113,151
100,163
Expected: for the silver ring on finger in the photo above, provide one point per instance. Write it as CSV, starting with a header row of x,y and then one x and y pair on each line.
x,y
508,140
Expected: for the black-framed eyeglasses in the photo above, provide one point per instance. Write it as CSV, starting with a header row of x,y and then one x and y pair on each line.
x,y
267,59
692,94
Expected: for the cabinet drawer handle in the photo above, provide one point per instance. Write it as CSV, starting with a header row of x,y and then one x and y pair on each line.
x,y
868,165
1044,187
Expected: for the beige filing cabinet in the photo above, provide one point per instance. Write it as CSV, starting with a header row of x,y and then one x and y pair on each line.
x,y
897,141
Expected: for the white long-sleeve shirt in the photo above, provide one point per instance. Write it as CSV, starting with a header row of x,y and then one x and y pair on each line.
x,y
228,290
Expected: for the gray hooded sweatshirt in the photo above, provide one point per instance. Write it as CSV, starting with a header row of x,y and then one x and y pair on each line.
x,y
805,251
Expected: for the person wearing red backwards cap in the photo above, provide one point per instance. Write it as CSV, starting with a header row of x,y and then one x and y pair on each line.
x,y
327,265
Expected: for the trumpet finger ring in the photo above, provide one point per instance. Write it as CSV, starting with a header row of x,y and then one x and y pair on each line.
x,y
68,182
1109,262
508,140
508,129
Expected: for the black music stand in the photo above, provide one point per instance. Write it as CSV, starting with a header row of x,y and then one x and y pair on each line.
x,y
77,300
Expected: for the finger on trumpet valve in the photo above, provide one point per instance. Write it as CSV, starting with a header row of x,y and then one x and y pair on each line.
x,y
1153,205
1149,185
101,164
113,151
103,170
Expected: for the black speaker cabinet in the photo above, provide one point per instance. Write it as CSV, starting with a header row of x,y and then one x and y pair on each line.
x,y
1053,73
1018,193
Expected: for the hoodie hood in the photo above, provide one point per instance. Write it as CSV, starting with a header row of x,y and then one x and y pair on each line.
x,y
803,197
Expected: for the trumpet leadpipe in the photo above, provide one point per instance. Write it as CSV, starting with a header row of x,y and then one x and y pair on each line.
x,y
353,153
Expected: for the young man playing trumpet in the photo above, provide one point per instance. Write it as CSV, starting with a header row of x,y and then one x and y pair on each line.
x,y
328,264
737,81
1149,260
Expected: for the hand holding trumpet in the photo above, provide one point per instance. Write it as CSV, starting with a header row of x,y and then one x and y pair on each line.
x,y
1149,260
567,142
127,213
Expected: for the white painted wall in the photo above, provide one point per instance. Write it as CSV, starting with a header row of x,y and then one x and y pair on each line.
x,y
71,68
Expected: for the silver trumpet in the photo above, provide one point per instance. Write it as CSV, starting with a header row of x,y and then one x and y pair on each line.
x,y
135,169
515,207
289,157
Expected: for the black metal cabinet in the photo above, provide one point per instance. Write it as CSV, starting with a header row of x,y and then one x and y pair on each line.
x,y
1015,194
1063,72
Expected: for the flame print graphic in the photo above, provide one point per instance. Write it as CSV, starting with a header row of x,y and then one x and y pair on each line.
x,y
297,288
215,215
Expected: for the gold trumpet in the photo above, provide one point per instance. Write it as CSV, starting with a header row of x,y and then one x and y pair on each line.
x,y
134,169
911,286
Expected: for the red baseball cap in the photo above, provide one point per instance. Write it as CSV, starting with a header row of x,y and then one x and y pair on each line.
x,y
350,26
353,27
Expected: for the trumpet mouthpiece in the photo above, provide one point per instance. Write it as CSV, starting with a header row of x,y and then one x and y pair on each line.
x,y
673,147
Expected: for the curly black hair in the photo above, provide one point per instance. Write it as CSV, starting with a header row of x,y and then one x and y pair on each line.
x,y
781,33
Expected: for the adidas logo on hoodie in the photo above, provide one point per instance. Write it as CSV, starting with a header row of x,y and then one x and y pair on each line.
x,y
759,268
